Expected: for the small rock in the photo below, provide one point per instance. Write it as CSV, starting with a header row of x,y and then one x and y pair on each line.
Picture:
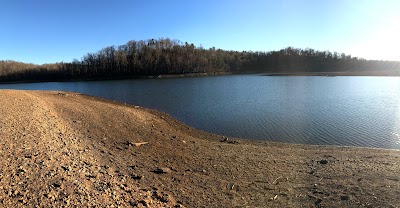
x,y
56,185
66,168
21,170
318,202
137,177
162,170
323,162
90,176
344,197
225,139
67,201
144,203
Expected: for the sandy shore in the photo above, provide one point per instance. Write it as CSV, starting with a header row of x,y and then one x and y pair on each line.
x,y
67,149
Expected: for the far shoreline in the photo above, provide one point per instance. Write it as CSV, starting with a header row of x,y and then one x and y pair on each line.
x,y
192,75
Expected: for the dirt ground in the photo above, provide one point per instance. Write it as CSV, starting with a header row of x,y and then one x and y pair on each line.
x,y
67,149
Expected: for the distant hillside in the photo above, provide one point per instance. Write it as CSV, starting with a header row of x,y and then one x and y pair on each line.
x,y
166,56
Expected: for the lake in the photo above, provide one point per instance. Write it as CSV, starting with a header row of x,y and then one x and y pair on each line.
x,y
350,111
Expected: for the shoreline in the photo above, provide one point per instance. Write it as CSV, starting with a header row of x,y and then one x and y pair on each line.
x,y
69,149
333,74
221,137
159,76
191,75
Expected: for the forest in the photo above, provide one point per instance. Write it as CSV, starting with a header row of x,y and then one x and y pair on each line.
x,y
164,56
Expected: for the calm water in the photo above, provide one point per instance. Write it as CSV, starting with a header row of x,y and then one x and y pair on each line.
x,y
355,111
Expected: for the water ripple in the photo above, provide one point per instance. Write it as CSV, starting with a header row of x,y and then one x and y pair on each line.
x,y
351,111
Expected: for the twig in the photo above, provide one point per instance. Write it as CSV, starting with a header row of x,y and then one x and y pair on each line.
x,y
276,180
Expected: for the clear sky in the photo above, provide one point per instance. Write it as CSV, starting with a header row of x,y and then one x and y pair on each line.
x,y
46,31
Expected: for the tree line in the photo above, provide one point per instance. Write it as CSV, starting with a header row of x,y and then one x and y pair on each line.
x,y
165,56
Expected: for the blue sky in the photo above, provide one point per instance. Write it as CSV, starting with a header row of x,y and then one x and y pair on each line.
x,y
46,31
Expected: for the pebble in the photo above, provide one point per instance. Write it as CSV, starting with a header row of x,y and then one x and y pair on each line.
x,y
323,162
344,197
137,177
162,170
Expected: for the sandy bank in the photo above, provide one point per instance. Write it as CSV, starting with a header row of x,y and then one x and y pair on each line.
x,y
64,149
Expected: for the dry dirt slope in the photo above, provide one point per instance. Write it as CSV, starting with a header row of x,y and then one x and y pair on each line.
x,y
65,149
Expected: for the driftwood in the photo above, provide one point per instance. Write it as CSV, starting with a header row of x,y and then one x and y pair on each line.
x,y
138,144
